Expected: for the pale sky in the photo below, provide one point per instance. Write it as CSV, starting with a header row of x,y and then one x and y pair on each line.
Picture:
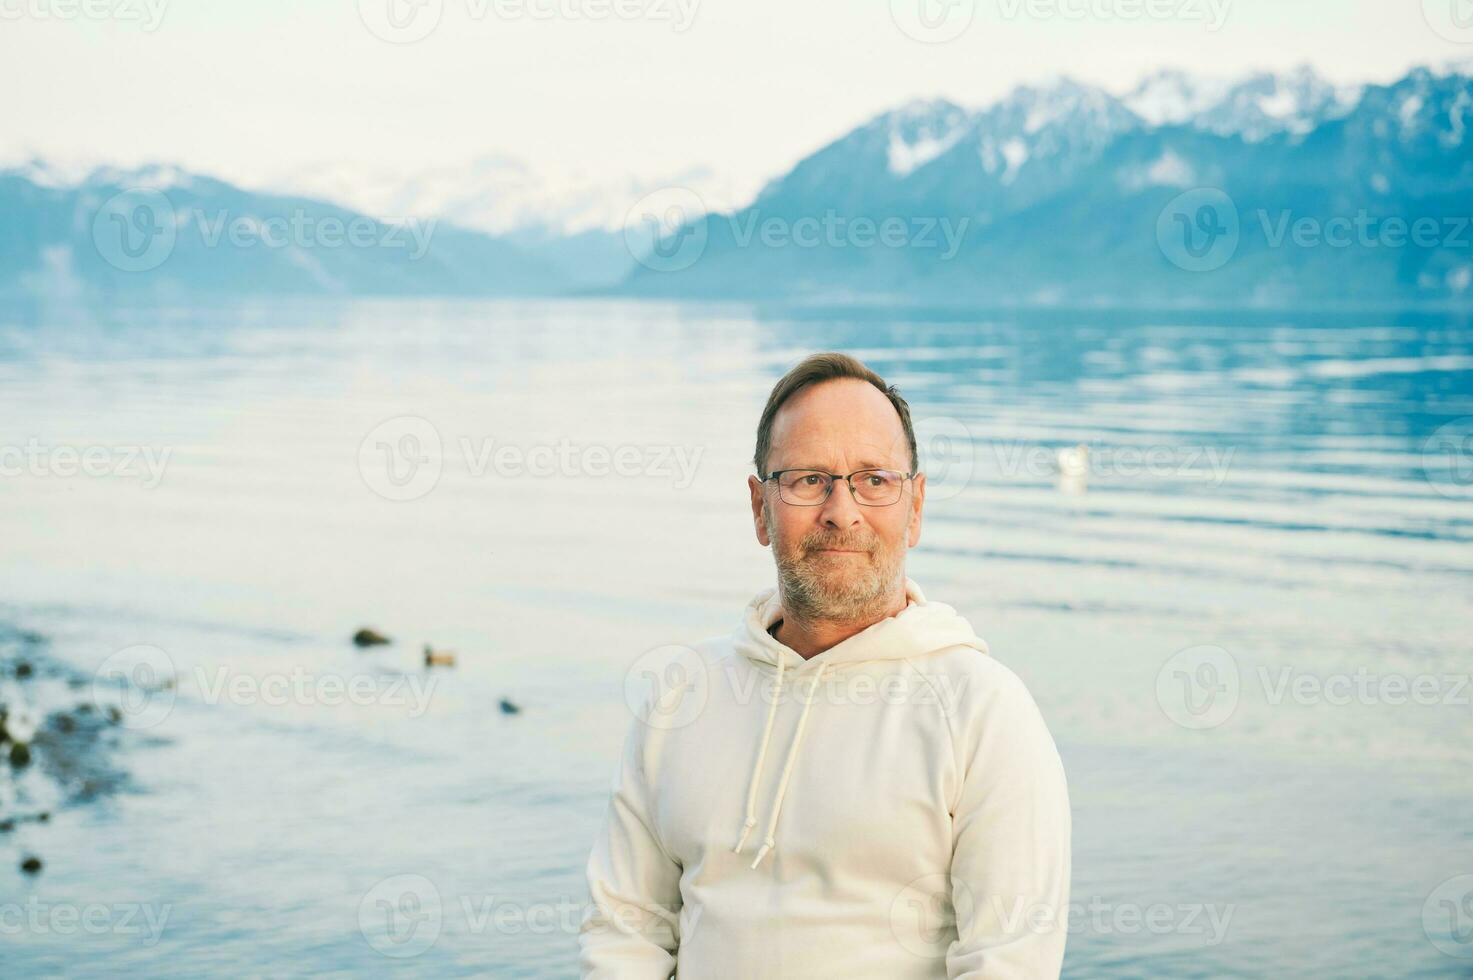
x,y
246,88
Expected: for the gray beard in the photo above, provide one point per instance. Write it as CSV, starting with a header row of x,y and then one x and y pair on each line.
x,y
812,593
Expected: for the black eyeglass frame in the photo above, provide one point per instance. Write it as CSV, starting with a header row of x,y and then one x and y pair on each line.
x,y
834,477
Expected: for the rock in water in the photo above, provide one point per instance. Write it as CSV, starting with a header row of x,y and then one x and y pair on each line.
x,y
369,638
510,708
31,865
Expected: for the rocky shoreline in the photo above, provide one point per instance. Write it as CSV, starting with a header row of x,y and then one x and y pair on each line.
x,y
58,743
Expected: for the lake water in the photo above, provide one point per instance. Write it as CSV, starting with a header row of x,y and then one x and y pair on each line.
x,y
1273,548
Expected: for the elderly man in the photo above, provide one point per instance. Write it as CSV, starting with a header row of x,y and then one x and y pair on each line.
x,y
847,785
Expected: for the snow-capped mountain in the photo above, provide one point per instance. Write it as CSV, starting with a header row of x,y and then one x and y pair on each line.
x,y
1254,108
503,195
1171,97
1059,193
1062,121
1036,139
74,172
47,173
1022,147
1265,105
572,219
922,131
1056,127
1054,192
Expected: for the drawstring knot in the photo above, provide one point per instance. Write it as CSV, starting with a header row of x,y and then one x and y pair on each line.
x,y
747,826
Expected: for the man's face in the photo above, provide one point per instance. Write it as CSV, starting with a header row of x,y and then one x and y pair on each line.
x,y
839,560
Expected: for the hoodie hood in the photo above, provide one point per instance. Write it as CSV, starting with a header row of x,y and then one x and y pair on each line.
x,y
920,628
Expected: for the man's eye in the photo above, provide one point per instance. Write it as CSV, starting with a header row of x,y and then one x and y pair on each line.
x,y
812,479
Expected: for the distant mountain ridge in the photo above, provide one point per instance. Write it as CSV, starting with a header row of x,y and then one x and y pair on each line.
x,y
1067,196
164,233
1056,194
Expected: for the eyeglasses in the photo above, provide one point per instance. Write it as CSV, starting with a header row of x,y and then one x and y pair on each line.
x,y
809,488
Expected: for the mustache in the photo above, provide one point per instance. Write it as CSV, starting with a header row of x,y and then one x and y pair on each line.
x,y
819,545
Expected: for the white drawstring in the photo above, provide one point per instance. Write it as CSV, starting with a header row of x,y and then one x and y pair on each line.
x,y
768,842
751,820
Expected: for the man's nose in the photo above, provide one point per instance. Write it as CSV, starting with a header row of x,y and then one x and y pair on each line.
x,y
840,510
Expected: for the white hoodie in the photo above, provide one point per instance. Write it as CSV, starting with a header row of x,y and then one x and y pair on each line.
x,y
898,811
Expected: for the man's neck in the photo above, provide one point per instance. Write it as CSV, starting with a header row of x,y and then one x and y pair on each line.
x,y
809,638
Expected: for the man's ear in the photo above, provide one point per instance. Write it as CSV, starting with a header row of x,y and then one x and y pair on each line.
x,y
918,498
759,500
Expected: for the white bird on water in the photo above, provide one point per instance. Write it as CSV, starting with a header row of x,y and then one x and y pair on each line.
x,y
1073,464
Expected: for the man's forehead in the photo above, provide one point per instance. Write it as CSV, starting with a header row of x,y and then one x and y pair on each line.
x,y
847,417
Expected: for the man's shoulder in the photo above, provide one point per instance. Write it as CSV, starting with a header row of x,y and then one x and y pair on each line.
x,y
973,680
717,646
708,652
